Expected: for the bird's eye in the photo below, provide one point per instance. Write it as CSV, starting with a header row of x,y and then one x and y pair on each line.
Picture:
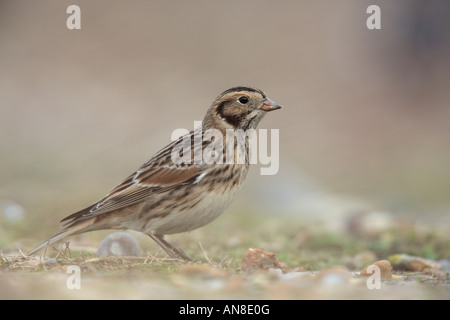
x,y
243,100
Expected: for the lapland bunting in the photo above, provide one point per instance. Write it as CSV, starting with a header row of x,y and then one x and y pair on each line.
x,y
165,196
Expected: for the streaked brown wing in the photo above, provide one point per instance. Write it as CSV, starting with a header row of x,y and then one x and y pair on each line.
x,y
143,184
137,187
157,175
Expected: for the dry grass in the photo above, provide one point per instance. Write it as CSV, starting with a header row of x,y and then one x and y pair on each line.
x,y
218,271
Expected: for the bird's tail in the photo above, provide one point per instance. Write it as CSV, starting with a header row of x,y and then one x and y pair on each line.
x,y
78,227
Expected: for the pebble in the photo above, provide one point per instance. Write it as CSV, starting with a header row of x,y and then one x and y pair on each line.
x,y
12,211
384,266
412,263
257,259
333,276
119,244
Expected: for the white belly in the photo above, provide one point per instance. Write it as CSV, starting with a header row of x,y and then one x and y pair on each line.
x,y
208,209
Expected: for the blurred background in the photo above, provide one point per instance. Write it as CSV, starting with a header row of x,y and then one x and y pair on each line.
x,y
364,125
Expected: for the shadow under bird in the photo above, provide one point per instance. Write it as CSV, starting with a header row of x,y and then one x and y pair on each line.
x,y
163,197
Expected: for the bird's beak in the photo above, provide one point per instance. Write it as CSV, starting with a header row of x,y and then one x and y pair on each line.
x,y
269,105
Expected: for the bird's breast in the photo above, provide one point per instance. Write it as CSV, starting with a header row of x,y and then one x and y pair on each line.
x,y
197,204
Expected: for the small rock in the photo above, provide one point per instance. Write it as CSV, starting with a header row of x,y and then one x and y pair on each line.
x,y
258,259
275,271
436,273
384,266
411,263
12,211
119,244
335,275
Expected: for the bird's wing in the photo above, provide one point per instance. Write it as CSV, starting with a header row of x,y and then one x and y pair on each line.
x,y
159,174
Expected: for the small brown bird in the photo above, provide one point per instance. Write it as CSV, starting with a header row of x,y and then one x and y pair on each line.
x,y
165,196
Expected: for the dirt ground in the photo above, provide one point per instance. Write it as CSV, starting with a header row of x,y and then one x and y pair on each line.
x,y
311,264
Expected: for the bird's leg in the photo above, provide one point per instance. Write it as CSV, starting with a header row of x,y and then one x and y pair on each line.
x,y
172,251
162,245
178,251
